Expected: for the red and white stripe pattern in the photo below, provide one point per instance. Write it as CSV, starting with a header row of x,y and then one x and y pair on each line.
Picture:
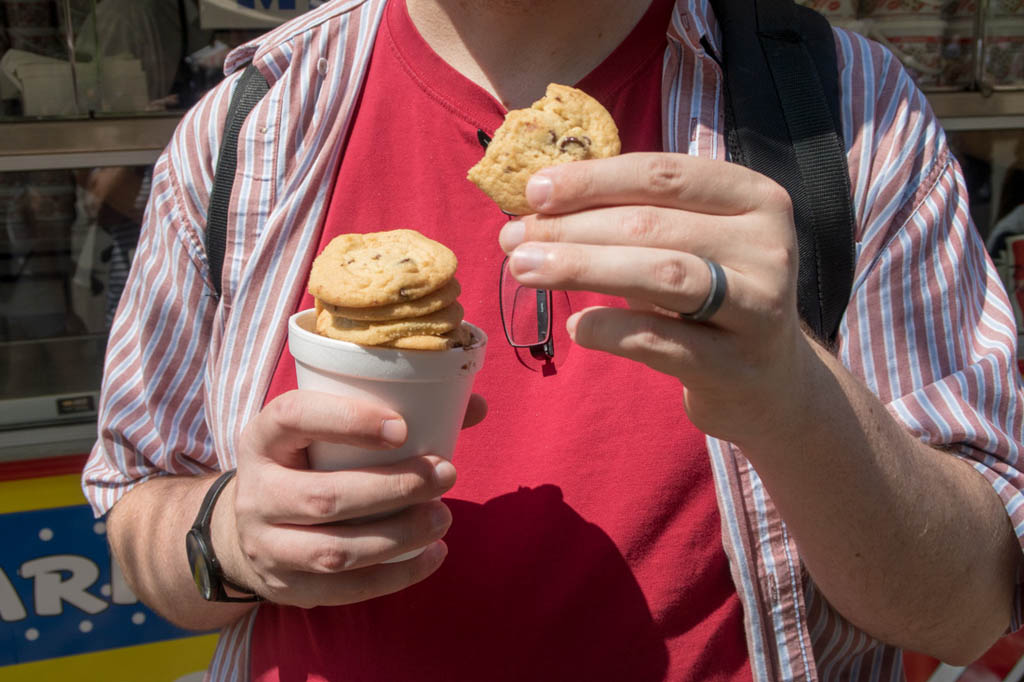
x,y
928,329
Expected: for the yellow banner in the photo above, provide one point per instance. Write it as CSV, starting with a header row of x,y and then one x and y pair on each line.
x,y
158,662
29,494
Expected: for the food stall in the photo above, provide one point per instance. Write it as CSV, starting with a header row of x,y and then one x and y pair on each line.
x,y
91,91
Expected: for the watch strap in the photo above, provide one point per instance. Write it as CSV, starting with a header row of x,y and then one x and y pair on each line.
x,y
202,526
205,514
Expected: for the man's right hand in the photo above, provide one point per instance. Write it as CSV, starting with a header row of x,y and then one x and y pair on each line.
x,y
280,528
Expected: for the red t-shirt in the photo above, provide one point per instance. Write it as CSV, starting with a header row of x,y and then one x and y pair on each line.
x,y
586,542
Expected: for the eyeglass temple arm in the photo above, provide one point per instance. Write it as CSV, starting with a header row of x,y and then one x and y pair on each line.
x,y
543,324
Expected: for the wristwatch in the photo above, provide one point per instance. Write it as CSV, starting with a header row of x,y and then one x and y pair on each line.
x,y
206,570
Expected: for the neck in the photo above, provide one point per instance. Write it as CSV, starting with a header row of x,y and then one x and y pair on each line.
x,y
514,48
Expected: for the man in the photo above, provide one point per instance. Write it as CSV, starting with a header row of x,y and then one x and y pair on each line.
x,y
662,498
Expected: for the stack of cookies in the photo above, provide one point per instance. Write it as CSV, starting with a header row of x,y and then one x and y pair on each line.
x,y
394,289
565,125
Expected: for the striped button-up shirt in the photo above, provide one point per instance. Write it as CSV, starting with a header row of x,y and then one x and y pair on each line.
x,y
928,328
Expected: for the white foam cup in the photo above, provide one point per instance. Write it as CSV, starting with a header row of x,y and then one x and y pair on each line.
x,y
430,389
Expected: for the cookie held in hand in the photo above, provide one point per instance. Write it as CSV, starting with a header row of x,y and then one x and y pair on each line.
x,y
565,125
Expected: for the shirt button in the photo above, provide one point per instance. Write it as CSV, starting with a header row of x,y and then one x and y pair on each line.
x,y
321,67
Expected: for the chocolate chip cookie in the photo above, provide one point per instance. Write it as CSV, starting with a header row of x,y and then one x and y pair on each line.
x,y
565,125
395,289
389,331
432,302
380,268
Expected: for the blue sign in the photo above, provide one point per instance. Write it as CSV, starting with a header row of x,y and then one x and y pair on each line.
x,y
60,592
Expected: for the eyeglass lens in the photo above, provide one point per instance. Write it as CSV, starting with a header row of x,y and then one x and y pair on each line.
x,y
525,314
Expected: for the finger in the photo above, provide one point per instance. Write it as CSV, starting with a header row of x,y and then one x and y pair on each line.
x,y
662,343
476,410
333,548
657,178
672,280
308,590
304,497
293,420
650,226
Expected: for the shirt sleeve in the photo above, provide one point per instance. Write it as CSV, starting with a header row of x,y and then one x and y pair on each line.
x,y
151,415
930,328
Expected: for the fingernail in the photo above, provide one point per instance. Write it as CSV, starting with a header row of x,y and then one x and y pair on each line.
x,y
527,258
393,431
444,471
538,190
512,235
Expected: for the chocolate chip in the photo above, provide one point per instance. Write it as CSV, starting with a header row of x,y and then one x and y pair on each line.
x,y
554,137
402,293
405,260
376,256
566,141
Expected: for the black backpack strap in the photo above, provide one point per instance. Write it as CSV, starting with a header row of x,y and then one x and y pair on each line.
x,y
249,90
783,120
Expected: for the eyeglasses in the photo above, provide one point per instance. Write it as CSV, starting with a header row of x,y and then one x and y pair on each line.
x,y
525,315
525,312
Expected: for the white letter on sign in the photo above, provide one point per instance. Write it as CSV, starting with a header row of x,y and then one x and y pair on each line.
x,y
51,590
11,608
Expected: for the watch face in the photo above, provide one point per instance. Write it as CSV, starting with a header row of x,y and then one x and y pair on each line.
x,y
199,563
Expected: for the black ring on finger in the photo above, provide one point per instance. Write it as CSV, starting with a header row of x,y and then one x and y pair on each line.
x,y
716,294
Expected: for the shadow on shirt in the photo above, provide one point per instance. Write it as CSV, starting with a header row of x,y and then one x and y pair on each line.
x,y
529,591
